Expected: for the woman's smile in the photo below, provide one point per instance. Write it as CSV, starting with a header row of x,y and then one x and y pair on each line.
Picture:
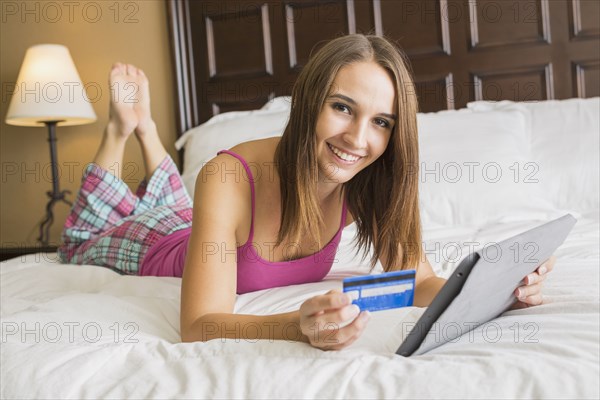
x,y
343,157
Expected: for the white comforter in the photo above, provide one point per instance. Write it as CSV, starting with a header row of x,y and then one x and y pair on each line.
x,y
87,332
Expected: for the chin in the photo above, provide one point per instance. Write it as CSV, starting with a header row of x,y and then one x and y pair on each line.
x,y
332,173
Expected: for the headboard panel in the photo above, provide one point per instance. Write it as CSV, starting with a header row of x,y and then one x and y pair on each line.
x,y
235,55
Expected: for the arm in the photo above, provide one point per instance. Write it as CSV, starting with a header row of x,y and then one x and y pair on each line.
x,y
427,289
208,290
209,276
427,283
252,327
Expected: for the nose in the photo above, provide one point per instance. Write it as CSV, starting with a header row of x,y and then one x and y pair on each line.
x,y
356,135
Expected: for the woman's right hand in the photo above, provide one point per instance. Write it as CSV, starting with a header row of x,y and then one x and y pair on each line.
x,y
321,317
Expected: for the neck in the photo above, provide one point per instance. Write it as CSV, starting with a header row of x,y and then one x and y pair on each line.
x,y
328,190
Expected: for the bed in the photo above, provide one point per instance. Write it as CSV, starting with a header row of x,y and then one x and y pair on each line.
x,y
87,332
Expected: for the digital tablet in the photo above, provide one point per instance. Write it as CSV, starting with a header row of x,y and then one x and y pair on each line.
x,y
482,286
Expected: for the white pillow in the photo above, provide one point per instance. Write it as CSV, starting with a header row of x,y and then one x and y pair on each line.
x,y
449,141
227,130
565,143
282,103
473,169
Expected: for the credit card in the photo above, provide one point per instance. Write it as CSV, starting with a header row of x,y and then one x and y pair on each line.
x,y
382,291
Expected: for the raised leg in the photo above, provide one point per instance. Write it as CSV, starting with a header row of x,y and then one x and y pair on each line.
x,y
129,112
152,148
110,153
121,123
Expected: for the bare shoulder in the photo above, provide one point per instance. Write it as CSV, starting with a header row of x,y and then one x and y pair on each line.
x,y
220,186
259,154
257,151
222,182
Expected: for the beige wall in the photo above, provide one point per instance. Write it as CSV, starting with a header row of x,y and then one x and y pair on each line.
x,y
96,35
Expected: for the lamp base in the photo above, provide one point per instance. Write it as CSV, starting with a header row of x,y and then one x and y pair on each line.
x,y
55,195
44,237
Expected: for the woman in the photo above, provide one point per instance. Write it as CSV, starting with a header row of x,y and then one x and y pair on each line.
x,y
344,157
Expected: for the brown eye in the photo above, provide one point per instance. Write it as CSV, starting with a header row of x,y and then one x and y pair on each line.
x,y
340,107
382,122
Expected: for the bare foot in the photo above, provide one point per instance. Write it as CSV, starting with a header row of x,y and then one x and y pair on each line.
x,y
130,100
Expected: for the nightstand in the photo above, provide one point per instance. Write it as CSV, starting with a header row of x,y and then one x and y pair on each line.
x,y
12,252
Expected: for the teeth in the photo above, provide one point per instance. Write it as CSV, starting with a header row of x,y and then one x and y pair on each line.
x,y
342,155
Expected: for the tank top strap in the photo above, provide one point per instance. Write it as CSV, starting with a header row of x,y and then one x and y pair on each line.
x,y
251,179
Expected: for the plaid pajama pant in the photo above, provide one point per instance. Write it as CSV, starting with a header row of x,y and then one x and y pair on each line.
x,y
112,227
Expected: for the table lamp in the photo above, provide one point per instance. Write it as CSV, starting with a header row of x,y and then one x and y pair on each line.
x,y
48,93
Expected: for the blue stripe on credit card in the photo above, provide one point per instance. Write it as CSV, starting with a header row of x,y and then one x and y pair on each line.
x,y
382,291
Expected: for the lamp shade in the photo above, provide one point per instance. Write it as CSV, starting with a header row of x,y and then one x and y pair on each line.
x,y
49,89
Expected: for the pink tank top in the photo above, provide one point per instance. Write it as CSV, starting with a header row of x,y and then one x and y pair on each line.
x,y
166,257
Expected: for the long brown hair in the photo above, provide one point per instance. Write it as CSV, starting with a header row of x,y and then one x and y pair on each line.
x,y
383,197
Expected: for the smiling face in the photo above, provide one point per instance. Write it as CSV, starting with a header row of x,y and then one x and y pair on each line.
x,y
356,121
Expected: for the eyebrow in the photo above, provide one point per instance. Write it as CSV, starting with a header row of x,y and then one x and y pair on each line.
x,y
353,102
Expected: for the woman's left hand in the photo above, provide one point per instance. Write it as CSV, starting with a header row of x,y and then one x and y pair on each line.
x,y
530,294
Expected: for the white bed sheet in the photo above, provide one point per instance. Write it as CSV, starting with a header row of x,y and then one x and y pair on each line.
x,y
546,351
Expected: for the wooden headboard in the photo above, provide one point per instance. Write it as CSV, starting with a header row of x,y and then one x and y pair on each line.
x,y
236,55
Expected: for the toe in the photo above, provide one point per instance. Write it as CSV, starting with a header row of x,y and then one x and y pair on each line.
x,y
131,70
115,67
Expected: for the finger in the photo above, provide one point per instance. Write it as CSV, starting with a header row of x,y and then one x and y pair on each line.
x,y
534,300
345,344
542,269
333,317
355,328
330,300
331,343
329,334
524,291
519,305
534,277
343,336
547,265
551,262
